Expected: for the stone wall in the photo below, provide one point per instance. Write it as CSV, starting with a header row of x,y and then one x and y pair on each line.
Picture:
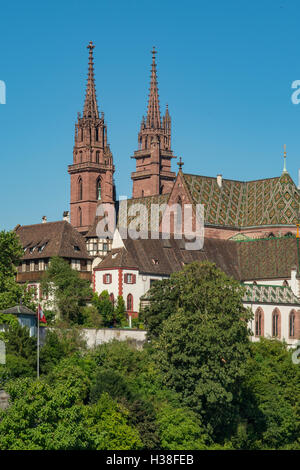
x,y
104,335
95,337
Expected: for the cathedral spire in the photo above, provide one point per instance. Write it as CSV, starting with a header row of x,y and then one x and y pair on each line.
x,y
90,105
153,117
153,173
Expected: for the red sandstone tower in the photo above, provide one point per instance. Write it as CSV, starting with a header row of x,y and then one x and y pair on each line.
x,y
153,173
92,169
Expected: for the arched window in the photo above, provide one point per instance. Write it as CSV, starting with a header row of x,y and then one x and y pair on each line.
x,y
96,134
276,326
80,189
259,322
98,189
79,217
129,303
292,318
80,157
97,157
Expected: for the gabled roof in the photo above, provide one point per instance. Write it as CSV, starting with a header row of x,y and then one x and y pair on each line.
x,y
271,201
51,239
19,310
270,294
162,257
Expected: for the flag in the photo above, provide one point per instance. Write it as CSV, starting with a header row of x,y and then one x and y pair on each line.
x,y
41,315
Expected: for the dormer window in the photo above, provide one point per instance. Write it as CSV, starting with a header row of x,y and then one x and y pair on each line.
x,y
76,248
155,261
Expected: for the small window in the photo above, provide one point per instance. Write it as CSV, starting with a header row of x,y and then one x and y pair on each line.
x,y
155,261
292,325
76,248
104,247
129,303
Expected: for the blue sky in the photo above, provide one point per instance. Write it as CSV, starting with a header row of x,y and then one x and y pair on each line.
x,y
225,68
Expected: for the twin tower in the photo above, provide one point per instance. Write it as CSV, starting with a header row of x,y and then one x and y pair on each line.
x,y
92,170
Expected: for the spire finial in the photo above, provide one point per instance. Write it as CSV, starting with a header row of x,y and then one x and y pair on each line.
x,y
153,115
180,164
90,106
284,157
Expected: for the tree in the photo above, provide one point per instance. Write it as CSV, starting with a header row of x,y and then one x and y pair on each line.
x,y
20,353
203,345
105,307
70,292
270,398
10,291
120,312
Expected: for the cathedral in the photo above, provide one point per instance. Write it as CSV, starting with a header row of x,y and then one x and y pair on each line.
x,y
250,227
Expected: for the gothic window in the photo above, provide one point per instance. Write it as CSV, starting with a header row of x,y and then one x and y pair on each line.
x,y
80,157
276,323
79,189
129,303
97,157
259,322
79,217
292,324
97,135
98,189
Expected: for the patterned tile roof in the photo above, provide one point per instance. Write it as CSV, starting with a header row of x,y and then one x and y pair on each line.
x,y
272,201
146,201
267,258
270,294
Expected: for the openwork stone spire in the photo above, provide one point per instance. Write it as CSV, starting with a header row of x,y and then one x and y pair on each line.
x,y
153,117
92,169
90,105
153,173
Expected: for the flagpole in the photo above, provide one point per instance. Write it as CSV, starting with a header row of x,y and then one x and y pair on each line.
x,y
38,346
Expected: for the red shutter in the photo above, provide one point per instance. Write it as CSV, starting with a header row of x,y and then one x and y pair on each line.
x,y
126,278
133,279
104,278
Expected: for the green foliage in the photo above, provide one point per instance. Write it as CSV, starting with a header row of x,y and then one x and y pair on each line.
x,y
8,319
120,314
70,292
105,307
108,427
91,317
10,254
180,429
203,346
111,382
271,406
20,353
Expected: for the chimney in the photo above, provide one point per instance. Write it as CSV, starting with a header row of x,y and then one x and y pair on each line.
x,y
44,219
66,216
219,180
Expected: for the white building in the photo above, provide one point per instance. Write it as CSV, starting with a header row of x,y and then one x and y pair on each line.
x,y
271,279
